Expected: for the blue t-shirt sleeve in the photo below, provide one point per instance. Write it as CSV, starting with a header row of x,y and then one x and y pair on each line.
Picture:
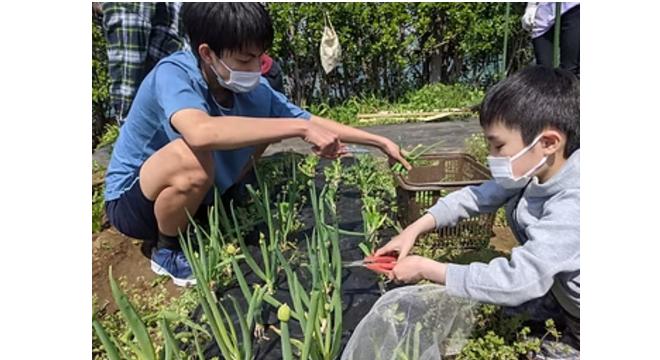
x,y
175,91
280,106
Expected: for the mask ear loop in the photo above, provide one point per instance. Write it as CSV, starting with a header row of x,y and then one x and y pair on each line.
x,y
226,66
522,152
527,148
217,76
212,66
535,168
213,70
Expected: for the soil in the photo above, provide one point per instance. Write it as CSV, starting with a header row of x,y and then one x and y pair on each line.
x,y
504,239
111,248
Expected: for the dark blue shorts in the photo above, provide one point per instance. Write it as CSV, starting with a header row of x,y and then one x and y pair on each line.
x,y
133,214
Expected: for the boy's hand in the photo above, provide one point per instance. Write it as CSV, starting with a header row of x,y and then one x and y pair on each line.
x,y
415,268
400,244
326,143
409,270
403,242
393,151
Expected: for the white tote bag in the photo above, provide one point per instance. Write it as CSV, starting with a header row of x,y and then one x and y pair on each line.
x,y
330,48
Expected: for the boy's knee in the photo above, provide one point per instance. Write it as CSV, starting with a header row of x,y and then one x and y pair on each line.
x,y
196,173
194,180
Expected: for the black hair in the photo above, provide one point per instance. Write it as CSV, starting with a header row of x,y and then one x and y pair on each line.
x,y
227,27
534,99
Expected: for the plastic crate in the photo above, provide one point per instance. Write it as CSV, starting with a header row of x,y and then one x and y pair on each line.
x,y
434,176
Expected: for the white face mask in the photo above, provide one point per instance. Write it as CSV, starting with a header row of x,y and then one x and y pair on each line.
x,y
239,81
502,170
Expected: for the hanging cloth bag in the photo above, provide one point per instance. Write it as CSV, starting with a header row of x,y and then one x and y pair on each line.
x,y
330,49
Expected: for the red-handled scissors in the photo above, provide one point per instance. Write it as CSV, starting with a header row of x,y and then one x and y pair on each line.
x,y
379,264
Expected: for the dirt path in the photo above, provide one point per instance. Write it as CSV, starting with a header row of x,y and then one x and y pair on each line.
x,y
453,134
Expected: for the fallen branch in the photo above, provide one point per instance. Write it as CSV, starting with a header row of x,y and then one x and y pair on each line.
x,y
416,116
382,114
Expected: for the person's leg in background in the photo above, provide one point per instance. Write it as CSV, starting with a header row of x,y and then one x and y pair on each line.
x,y
127,29
167,34
569,41
543,48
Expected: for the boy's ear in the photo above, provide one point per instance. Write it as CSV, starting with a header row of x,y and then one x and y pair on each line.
x,y
552,141
204,52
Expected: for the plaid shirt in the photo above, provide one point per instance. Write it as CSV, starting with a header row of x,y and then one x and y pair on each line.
x,y
138,36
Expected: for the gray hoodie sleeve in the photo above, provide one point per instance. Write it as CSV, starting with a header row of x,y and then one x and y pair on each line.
x,y
552,247
469,201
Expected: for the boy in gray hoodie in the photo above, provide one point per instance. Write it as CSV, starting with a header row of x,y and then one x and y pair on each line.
x,y
532,123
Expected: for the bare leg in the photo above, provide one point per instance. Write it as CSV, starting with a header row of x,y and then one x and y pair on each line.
x,y
176,178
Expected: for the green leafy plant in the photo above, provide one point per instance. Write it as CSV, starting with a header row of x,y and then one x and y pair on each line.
x,y
97,210
137,338
214,240
413,156
430,98
408,348
373,219
378,194
231,344
318,310
283,315
477,146
308,166
220,248
333,175
497,336
100,82
110,135
324,323
389,49
500,218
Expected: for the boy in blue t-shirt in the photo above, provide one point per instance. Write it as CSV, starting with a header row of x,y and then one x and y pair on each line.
x,y
196,120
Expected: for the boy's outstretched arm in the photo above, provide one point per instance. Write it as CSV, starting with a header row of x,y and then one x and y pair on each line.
x,y
448,211
469,201
553,247
356,136
204,132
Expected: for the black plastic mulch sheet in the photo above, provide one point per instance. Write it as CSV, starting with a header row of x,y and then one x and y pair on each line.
x,y
361,288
